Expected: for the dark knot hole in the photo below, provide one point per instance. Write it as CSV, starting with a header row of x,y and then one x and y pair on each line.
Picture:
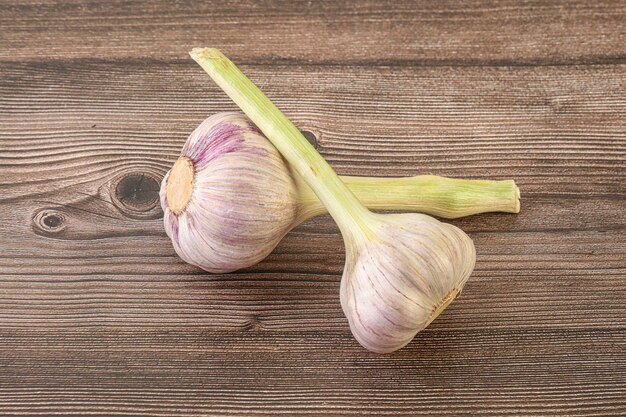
x,y
138,191
52,221
311,137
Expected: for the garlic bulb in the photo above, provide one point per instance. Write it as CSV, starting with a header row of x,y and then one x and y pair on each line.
x,y
395,284
230,198
401,270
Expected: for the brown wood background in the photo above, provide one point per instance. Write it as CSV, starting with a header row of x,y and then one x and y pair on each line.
x,y
97,314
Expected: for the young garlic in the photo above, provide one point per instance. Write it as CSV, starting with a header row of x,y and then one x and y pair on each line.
x,y
401,270
230,198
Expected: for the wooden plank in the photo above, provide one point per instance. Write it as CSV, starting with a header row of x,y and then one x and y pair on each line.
x,y
191,371
547,127
367,32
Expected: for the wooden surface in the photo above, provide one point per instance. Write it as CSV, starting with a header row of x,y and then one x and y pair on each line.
x,y
98,316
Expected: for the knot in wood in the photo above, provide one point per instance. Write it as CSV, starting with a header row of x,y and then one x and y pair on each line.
x,y
311,137
137,192
52,221
49,221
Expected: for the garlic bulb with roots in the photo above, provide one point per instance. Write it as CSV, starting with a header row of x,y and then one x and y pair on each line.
x,y
231,197
401,270
400,274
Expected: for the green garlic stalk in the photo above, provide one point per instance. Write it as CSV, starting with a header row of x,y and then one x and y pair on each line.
x,y
449,198
401,270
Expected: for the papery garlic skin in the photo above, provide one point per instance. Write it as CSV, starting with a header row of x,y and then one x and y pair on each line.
x,y
241,200
395,284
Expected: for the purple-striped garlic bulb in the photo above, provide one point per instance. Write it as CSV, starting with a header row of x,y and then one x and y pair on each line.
x,y
401,272
231,197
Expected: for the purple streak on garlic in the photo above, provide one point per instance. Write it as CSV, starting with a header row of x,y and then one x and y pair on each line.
x,y
211,201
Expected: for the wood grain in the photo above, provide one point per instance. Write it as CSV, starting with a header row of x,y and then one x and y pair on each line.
x,y
98,316
342,33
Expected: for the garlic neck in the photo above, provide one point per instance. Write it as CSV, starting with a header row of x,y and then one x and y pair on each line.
x,y
180,185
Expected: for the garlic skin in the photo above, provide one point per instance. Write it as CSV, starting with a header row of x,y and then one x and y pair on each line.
x,y
396,283
212,208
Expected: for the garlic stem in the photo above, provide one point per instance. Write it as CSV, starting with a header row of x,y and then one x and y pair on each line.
x,y
349,214
449,198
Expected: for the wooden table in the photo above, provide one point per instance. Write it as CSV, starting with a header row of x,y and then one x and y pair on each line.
x,y
98,316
